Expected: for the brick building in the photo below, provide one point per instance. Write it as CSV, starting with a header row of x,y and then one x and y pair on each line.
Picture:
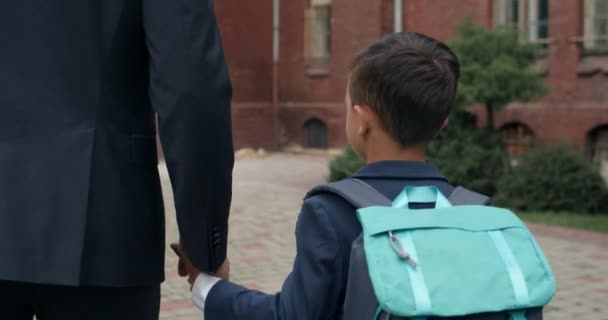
x,y
300,99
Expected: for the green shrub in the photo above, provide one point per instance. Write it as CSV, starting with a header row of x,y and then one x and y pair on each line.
x,y
468,156
344,165
553,178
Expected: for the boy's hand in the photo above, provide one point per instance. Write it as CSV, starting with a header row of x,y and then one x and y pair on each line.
x,y
184,266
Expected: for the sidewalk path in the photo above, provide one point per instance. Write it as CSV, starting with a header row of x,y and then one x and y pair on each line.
x,y
267,196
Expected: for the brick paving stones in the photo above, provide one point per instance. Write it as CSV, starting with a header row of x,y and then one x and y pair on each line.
x,y
267,196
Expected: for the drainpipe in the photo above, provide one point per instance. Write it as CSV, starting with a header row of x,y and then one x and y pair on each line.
x,y
398,18
275,68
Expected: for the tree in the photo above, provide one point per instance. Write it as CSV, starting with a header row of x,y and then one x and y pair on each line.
x,y
495,68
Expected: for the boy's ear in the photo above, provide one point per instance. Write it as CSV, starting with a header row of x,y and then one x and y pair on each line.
x,y
365,116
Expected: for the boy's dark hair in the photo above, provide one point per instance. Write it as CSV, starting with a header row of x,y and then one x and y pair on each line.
x,y
409,80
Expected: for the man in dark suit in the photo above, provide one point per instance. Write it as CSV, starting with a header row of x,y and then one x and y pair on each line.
x,y
81,212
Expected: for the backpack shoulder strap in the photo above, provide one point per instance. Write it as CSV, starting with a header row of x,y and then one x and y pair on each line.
x,y
361,194
355,191
462,196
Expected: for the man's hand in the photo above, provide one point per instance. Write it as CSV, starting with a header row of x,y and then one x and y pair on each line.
x,y
184,266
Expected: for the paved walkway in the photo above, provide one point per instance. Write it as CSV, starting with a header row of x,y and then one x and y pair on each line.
x,y
267,196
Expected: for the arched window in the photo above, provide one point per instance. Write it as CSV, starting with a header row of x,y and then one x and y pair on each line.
x,y
598,149
316,134
518,138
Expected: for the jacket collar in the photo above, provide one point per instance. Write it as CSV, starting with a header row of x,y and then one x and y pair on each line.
x,y
400,170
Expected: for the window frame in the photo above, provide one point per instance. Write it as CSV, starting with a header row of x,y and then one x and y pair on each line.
x,y
596,147
589,37
521,20
317,62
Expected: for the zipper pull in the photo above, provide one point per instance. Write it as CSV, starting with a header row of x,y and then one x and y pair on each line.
x,y
398,248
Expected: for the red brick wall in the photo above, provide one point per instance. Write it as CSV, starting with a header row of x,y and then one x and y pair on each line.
x,y
575,105
388,16
438,19
554,122
355,23
253,125
563,57
246,28
295,115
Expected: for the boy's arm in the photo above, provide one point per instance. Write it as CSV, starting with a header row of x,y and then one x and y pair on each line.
x,y
311,291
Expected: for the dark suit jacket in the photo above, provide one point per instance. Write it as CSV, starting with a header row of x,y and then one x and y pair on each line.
x,y
326,229
80,83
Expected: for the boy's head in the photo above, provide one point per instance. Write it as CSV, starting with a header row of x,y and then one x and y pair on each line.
x,y
400,93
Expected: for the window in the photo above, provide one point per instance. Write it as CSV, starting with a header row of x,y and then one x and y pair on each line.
x,y
529,17
319,32
518,138
598,149
316,134
596,25
506,13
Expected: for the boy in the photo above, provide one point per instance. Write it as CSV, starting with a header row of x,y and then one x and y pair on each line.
x,y
400,93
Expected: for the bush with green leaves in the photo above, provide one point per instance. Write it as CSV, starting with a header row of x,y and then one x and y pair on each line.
x,y
344,165
469,157
554,178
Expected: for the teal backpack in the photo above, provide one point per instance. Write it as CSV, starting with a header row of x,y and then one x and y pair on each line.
x,y
460,260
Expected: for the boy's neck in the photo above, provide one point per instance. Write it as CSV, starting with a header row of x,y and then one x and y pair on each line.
x,y
380,152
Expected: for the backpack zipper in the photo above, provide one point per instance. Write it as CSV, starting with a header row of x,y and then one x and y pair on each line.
x,y
401,252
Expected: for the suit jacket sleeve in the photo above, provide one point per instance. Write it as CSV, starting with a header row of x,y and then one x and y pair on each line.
x,y
190,90
311,291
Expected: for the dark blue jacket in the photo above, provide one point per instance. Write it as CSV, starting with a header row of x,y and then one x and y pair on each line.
x,y
81,83
326,228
